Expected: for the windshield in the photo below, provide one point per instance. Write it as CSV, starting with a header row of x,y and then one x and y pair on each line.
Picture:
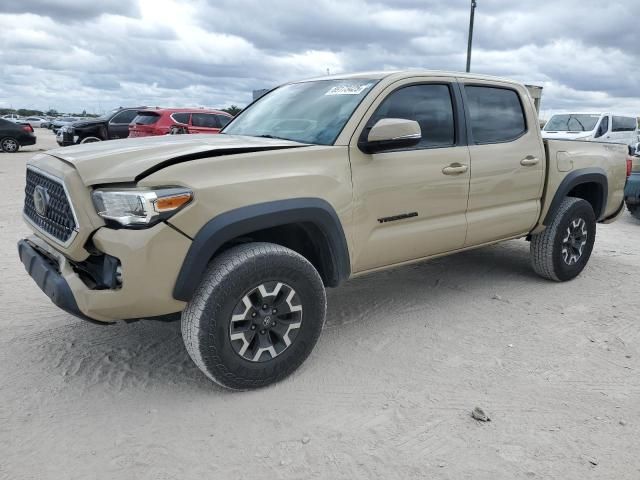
x,y
307,112
109,114
572,122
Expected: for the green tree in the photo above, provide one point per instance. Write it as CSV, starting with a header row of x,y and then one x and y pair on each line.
x,y
232,110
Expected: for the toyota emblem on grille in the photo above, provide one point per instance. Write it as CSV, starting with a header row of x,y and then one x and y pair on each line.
x,y
41,200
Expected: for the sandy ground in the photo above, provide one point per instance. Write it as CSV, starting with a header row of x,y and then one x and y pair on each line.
x,y
405,356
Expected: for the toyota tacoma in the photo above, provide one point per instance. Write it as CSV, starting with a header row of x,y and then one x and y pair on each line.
x,y
314,183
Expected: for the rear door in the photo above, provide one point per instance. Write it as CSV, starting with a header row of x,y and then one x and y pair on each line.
x,y
119,123
507,161
204,123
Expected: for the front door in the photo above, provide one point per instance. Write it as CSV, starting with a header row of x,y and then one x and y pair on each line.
x,y
508,162
411,203
204,123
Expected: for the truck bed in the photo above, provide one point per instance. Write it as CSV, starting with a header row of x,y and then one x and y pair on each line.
x,y
599,158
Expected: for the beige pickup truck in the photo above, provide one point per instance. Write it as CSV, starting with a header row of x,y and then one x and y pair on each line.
x,y
316,182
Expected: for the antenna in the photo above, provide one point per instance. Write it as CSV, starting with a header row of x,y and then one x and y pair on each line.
x,y
473,9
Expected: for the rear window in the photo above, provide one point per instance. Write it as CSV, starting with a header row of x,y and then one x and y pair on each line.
x,y
181,118
146,118
496,114
623,124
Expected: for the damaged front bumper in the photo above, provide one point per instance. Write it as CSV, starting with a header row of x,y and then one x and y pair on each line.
x,y
131,274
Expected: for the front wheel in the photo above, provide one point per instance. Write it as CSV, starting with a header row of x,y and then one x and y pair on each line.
x,y
9,145
561,251
255,317
90,140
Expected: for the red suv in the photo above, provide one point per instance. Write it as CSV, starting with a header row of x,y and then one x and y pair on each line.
x,y
158,121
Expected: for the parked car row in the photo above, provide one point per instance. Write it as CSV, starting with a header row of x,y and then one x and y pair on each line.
x,y
36,121
16,131
142,122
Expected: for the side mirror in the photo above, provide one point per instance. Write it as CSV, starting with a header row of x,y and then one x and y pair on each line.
x,y
391,134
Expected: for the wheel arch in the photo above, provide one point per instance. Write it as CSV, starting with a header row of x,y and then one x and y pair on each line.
x,y
590,184
309,221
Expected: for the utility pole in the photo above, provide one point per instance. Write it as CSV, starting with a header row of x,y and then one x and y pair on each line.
x,y
473,9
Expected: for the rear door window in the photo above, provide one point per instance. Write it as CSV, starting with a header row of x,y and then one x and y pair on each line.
x,y
204,120
181,118
496,114
124,117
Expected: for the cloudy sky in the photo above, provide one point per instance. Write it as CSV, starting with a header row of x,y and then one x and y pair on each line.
x,y
73,55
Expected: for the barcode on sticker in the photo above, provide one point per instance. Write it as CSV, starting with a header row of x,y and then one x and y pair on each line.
x,y
347,89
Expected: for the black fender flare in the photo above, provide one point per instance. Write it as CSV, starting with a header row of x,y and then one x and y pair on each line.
x,y
242,221
572,180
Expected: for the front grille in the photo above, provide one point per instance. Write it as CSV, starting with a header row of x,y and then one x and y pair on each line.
x,y
58,220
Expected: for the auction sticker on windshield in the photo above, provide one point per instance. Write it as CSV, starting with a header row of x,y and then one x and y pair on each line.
x,y
353,89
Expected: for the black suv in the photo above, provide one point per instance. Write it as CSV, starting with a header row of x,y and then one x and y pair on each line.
x,y
114,124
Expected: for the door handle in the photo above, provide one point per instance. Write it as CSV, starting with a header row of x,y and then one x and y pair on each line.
x,y
455,169
529,161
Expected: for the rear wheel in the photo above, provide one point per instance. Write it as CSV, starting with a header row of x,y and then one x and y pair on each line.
x,y
634,209
562,250
255,317
9,145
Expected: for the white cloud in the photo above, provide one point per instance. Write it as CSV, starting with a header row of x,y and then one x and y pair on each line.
x,y
95,56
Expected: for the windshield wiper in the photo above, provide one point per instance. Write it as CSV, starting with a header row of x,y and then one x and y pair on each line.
x,y
579,122
272,136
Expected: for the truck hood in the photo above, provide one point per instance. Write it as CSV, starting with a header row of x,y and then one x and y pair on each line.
x,y
132,159
560,135
88,123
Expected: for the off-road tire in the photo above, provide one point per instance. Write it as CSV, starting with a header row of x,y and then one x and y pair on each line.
x,y
546,247
229,277
9,145
634,210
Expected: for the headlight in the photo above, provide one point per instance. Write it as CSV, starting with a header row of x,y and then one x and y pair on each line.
x,y
139,207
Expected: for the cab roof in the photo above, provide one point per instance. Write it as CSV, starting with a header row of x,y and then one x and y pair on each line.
x,y
400,74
